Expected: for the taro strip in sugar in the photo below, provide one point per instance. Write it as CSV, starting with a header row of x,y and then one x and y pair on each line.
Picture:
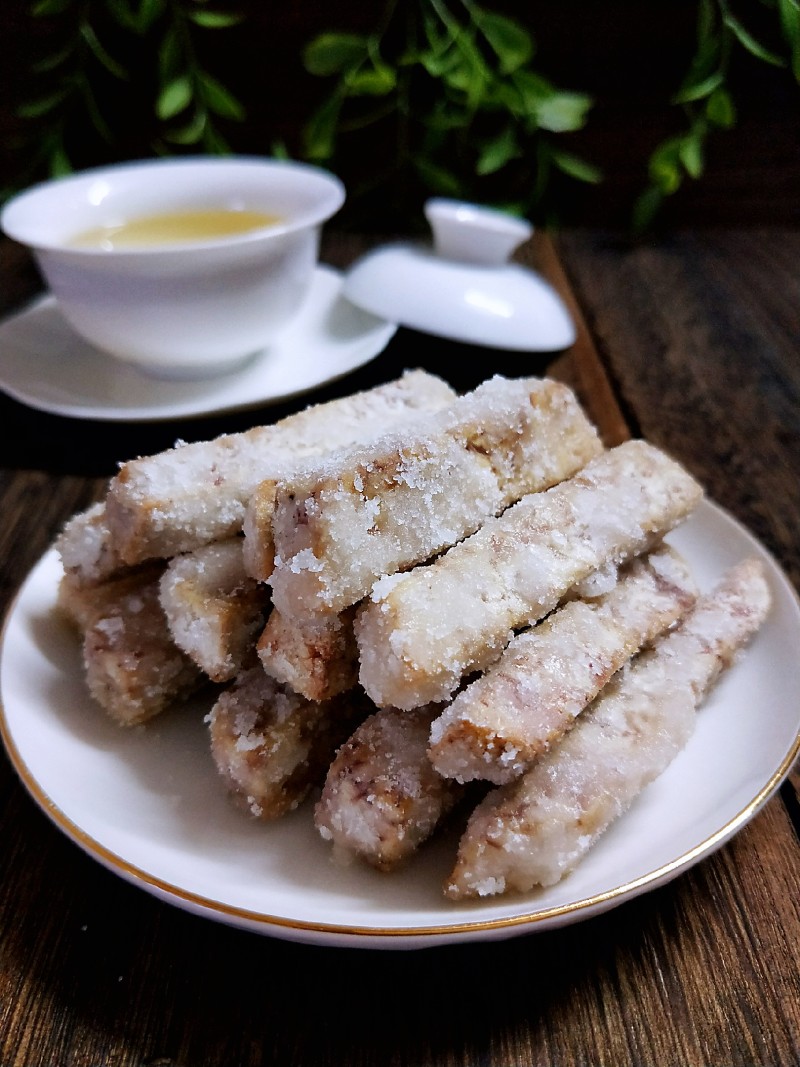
x,y
497,725
319,661
535,830
272,746
382,798
365,512
214,609
196,493
422,631
133,669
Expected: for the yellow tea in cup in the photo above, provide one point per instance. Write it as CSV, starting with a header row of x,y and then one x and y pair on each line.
x,y
174,227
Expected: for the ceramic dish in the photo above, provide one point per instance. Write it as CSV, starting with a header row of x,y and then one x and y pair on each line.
x,y
462,286
183,266
44,364
148,804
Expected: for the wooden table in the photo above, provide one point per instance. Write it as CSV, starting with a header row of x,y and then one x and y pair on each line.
x,y
692,342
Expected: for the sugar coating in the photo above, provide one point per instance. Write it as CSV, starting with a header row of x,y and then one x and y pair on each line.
x,y
535,830
319,662
499,724
364,512
85,547
440,621
271,745
381,797
213,608
133,669
190,495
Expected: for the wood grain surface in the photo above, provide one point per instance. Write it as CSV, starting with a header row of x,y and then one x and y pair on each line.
x,y
690,342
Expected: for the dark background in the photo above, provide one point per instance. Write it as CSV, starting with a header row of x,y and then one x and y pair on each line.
x,y
628,54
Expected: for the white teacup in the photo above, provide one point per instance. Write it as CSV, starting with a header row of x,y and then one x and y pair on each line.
x,y
186,306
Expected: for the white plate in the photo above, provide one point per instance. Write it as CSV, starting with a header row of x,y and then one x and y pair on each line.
x,y
44,364
147,803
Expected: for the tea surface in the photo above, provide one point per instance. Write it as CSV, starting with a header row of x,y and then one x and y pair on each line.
x,y
173,227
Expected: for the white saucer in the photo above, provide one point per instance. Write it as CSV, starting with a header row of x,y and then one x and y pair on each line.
x,y
44,364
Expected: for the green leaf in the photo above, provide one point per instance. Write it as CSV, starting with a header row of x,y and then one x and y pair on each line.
x,y
214,20
439,39
444,116
789,14
53,61
511,42
149,11
170,56
215,143
59,163
319,135
332,53
191,133
706,19
378,81
137,20
451,24
576,167
279,150
495,154
439,63
174,97
470,75
720,109
563,112
647,206
438,179
747,41
707,59
665,165
219,99
690,153
699,90
34,109
48,8
101,55
532,89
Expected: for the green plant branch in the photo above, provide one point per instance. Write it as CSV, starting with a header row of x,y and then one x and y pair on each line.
x,y
469,110
706,97
182,103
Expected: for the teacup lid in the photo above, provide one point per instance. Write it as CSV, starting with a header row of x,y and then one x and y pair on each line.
x,y
463,287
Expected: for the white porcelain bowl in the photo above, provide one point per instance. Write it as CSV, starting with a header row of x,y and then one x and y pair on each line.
x,y
181,309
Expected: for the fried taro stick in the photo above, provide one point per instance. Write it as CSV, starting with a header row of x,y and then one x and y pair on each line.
x,y
535,830
421,632
500,723
382,798
362,513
